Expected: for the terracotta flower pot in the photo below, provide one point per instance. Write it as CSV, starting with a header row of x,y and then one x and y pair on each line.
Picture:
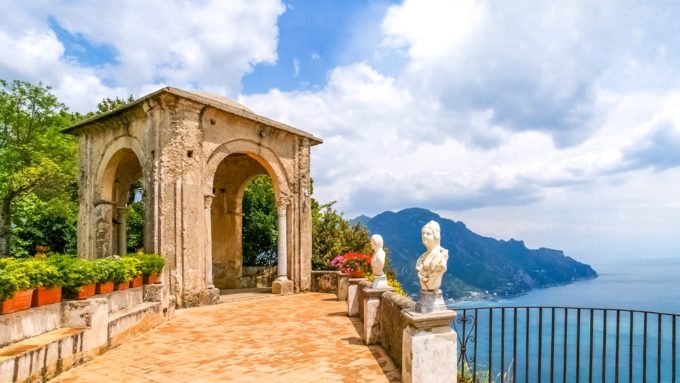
x,y
104,287
46,296
136,281
357,274
85,292
151,279
20,301
122,286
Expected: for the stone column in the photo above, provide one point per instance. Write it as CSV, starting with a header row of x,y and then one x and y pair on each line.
x,y
353,296
207,200
429,353
370,307
282,285
122,231
282,253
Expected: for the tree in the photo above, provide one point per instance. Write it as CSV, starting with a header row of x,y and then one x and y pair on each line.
x,y
332,235
260,231
34,156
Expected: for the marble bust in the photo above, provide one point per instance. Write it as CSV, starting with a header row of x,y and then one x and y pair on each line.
x,y
378,262
431,265
378,259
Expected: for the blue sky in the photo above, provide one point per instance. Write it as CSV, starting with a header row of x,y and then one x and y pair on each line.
x,y
556,123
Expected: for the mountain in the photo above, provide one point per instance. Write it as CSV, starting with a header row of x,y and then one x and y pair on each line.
x,y
476,263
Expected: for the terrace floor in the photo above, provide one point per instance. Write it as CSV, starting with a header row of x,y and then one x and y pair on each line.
x,y
297,338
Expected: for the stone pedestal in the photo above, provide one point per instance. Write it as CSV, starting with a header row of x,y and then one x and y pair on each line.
x,y
430,301
429,353
370,313
343,286
282,287
380,282
353,296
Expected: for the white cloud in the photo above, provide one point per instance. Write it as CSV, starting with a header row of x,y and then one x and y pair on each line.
x,y
208,45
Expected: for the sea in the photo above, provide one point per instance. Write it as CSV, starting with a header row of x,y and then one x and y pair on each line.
x,y
595,345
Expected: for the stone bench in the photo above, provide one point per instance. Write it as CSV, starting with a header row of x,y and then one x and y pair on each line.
x,y
42,356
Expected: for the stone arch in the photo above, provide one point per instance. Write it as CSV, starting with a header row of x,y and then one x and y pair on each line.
x,y
112,155
120,167
265,156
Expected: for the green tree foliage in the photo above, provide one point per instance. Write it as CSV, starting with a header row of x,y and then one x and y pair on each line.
x,y
43,222
332,235
135,218
34,156
260,233
109,104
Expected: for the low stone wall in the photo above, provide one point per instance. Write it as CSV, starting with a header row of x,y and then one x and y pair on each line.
x,y
258,276
325,281
39,343
392,324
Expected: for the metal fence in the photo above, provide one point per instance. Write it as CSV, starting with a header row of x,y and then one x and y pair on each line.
x,y
565,344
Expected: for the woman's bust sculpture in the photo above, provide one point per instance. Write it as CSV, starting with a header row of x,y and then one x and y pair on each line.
x,y
431,265
378,260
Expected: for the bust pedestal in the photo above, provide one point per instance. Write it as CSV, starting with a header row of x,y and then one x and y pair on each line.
x,y
380,282
430,301
429,353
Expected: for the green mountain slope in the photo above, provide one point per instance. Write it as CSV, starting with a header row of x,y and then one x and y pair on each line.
x,y
476,263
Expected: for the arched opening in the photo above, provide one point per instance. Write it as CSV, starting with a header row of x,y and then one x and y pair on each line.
x,y
242,255
120,226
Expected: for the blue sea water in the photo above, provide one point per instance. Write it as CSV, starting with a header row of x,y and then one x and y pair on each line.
x,y
651,284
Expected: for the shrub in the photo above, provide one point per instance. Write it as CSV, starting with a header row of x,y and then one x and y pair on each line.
x,y
75,272
40,273
131,265
150,263
109,269
13,279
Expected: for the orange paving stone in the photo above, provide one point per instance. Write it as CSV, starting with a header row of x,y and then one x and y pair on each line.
x,y
297,338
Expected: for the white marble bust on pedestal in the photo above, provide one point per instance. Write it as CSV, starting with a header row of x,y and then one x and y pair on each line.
x,y
378,262
430,267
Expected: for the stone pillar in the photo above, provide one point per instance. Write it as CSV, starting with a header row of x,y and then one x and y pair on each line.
x,y
122,231
282,253
429,353
282,285
370,307
353,296
343,285
207,200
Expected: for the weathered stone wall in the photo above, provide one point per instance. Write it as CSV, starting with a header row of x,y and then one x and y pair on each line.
x,y
258,276
392,325
325,281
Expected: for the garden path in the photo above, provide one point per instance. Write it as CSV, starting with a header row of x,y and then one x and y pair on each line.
x,y
297,338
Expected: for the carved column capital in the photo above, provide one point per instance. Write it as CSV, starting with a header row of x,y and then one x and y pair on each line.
x,y
207,200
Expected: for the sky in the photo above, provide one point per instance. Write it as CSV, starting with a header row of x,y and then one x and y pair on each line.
x,y
557,123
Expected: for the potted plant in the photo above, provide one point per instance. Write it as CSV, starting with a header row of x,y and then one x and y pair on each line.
x,y
354,264
150,266
78,275
132,267
46,279
107,270
15,287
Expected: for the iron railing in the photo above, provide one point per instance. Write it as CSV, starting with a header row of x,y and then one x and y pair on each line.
x,y
566,344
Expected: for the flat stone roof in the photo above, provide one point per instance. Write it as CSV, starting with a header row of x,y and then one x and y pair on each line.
x,y
215,101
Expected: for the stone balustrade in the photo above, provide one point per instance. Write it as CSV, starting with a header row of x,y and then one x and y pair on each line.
x,y
422,344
